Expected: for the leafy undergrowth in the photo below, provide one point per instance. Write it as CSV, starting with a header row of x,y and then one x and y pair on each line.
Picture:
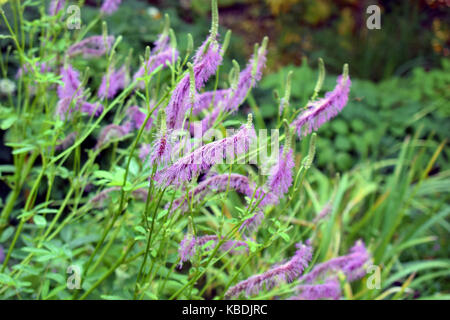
x,y
96,208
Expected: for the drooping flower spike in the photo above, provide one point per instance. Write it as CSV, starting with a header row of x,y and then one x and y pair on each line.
x,y
71,97
163,58
203,158
320,111
352,265
206,60
220,183
94,46
112,82
190,244
136,118
110,6
280,178
111,131
252,224
56,6
330,289
229,100
286,272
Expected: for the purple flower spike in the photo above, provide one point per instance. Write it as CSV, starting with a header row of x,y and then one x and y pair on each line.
x,y
286,272
92,109
281,174
352,265
189,245
205,65
2,254
205,157
205,99
163,58
322,110
42,66
109,132
162,149
56,6
247,79
330,289
220,183
71,83
137,118
114,81
110,6
144,150
186,249
94,46
252,224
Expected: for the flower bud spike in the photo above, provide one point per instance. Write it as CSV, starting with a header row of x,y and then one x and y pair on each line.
x,y
287,94
215,20
226,42
166,24
191,83
320,79
105,31
147,53
264,43
288,138
161,120
190,45
249,120
234,75
345,72
173,39
311,152
85,77
255,62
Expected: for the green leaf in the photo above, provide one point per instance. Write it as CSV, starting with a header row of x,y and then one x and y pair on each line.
x,y
40,221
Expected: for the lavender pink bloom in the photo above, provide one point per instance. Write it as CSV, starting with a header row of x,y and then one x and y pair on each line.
x,y
252,224
162,149
71,83
110,6
70,95
66,142
56,6
280,178
322,110
330,289
42,66
205,65
188,167
137,118
205,99
163,58
352,265
228,100
190,244
94,46
326,210
220,183
109,132
247,79
286,272
112,83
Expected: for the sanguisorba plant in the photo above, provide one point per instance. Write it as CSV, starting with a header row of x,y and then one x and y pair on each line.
x,y
137,184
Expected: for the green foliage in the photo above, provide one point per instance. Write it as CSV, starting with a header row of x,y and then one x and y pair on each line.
x,y
99,208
